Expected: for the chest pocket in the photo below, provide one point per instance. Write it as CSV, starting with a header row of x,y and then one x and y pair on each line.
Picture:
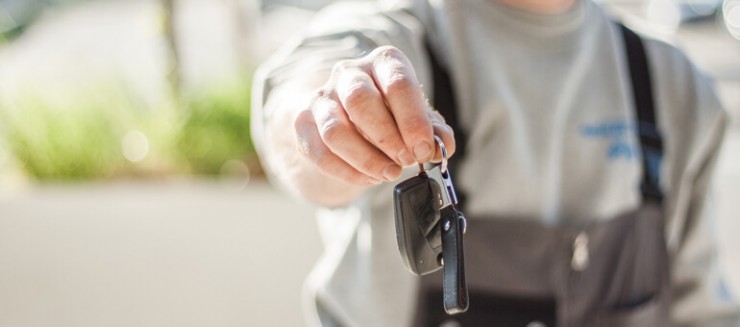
x,y
525,274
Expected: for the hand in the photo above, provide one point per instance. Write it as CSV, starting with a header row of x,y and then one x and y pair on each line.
x,y
370,119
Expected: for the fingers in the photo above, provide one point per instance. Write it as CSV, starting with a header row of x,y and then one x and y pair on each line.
x,y
370,119
396,80
445,133
344,141
367,110
312,147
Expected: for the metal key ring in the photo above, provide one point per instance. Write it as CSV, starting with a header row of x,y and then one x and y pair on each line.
x,y
442,149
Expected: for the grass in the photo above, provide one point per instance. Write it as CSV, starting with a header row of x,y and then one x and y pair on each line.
x,y
63,141
215,129
81,138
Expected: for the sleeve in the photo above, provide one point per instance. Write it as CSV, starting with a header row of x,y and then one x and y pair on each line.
x,y
342,31
693,124
701,296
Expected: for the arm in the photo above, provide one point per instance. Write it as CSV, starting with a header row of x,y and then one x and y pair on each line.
x,y
695,125
328,136
701,296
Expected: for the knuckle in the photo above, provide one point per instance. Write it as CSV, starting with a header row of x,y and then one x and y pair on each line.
x,y
399,84
383,141
436,117
320,158
372,165
450,145
343,66
305,143
359,94
323,93
302,126
417,126
302,119
388,51
332,131
448,137
392,143
309,150
397,77
381,134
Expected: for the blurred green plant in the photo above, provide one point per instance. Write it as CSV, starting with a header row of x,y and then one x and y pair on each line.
x,y
215,129
88,136
55,141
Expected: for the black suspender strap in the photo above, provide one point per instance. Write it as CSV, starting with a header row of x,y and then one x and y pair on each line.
x,y
651,142
445,103
444,99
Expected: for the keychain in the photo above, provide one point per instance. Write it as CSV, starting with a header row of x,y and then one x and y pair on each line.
x,y
430,228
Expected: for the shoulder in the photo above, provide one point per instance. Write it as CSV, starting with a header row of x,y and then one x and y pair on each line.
x,y
347,29
685,96
669,64
343,30
677,77
370,17
690,115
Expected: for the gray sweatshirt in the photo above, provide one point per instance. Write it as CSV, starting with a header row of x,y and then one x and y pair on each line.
x,y
547,106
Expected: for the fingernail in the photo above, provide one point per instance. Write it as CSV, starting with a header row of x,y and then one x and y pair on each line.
x,y
422,151
405,158
392,171
374,181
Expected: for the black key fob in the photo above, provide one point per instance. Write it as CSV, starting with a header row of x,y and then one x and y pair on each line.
x,y
430,228
455,289
417,202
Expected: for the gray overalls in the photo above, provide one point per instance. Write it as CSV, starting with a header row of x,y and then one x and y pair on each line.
x,y
523,273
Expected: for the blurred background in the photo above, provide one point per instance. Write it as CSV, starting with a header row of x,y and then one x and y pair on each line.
x,y
130,193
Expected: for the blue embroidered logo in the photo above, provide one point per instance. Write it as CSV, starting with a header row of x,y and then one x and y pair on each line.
x,y
615,132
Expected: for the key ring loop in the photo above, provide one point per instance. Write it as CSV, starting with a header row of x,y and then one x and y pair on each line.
x,y
443,165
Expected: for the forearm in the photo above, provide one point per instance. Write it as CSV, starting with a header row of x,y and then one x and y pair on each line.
x,y
701,296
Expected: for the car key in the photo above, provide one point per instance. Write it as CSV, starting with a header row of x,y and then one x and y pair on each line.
x,y
429,230
417,204
453,225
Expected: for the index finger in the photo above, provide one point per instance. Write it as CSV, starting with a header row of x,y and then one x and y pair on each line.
x,y
396,80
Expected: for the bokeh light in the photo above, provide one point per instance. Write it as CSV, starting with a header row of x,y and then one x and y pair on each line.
x,y
731,13
234,175
135,146
664,15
